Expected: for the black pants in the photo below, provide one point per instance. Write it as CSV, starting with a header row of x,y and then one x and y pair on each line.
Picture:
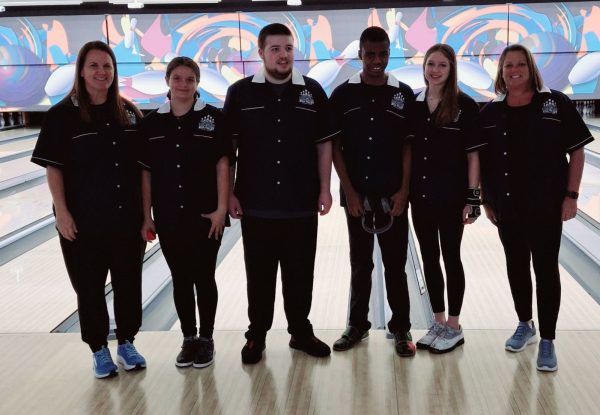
x,y
393,244
88,259
192,259
441,228
534,239
292,244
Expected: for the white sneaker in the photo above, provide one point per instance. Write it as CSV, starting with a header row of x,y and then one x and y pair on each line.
x,y
448,340
433,333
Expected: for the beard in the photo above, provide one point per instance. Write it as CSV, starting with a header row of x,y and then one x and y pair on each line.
x,y
276,74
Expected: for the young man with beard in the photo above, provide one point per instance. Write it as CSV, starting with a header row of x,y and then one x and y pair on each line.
x,y
280,125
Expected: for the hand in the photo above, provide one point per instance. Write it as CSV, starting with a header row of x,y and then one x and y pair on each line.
x,y
234,207
466,220
217,222
491,215
398,200
148,226
354,204
568,209
325,202
66,225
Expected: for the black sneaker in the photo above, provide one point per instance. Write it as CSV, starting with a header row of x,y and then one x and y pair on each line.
x,y
252,352
351,336
310,345
404,344
185,358
205,355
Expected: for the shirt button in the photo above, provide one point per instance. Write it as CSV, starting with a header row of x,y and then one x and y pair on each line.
x,y
279,141
179,127
178,166
428,119
278,162
117,164
368,157
372,100
180,186
114,143
278,119
505,153
423,196
506,173
278,182
366,177
177,145
120,206
424,177
278,99
425,158
118,186
180,206
107,123
425,138
372,118
370,138
504,133
507,194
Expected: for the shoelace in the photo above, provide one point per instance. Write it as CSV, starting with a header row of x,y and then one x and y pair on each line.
x,y
203,347
104,357
520,332
130,350
546,349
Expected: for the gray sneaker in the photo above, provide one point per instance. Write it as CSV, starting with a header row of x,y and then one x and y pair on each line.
x,y
523,336
434,331
546,360
448,340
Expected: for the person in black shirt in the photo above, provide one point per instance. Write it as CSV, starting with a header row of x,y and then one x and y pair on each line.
x,y
372,159
279,123
529,188
186,183
88,144
444,189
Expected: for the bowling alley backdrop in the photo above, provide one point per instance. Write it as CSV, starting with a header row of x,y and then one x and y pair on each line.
x,y
37,54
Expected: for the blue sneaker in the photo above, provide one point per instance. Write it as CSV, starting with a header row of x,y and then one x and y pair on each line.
x,y
129,357
104,366
546,360
523,336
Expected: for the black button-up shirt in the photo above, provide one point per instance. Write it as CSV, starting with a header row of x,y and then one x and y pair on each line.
x,y
98,160
554,129
374,124
277,137
439,171
181,154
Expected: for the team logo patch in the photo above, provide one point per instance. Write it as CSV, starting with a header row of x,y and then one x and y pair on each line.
x,y
550,107
398,101
131,117
306,98
207,123
457,116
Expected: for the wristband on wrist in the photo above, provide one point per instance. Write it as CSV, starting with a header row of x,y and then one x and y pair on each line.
x,y
473,195
571,194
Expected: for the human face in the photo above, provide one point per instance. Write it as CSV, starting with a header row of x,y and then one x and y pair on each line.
x,y
182,83
375,57
437,69
278,56
515,71
98,74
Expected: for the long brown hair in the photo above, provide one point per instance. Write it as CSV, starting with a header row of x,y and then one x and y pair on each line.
x,y
188,63
535,78
117,104
448,107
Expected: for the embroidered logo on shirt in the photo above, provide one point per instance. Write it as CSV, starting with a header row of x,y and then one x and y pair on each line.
x,y
306,98
398,101
550,107
131,117
207,123
457,116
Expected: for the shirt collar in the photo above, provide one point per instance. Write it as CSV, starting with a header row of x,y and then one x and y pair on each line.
x,y
166,107
421,96
260,78
502,97
391,79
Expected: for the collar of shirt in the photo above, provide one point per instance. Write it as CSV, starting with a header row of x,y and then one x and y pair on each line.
x,y
502,97
391,79
260,78
166,107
